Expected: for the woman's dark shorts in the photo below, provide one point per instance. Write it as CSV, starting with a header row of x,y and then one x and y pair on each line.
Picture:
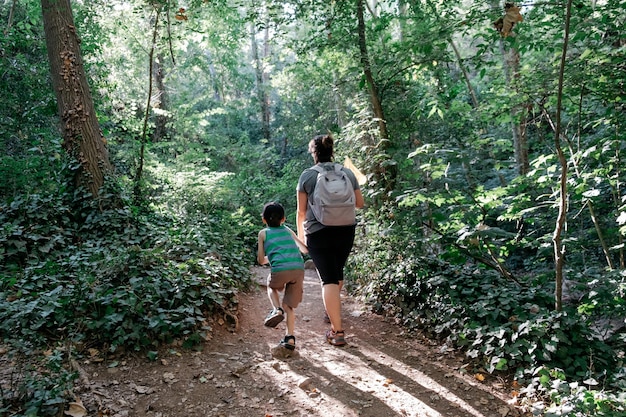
x,y
329,248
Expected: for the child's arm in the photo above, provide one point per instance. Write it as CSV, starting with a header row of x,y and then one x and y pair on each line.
x,y
260,254
299,242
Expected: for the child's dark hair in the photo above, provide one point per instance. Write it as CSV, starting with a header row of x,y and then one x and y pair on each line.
x,y
273,214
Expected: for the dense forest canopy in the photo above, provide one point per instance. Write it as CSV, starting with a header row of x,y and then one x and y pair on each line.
x,y
140,140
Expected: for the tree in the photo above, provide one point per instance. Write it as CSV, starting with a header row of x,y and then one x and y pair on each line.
x,y
511,61
386,170
261,76
82,137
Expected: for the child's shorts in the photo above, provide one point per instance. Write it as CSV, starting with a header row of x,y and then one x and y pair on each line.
x,y
292,282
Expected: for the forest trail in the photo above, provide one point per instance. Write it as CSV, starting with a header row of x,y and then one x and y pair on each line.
x,y
382,372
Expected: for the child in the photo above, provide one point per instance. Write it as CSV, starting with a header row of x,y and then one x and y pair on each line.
x,y
278,245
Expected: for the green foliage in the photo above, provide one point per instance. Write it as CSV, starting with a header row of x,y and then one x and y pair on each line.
x,y
28,134
101,274
572,399
502,326
131,280
461,247
39,387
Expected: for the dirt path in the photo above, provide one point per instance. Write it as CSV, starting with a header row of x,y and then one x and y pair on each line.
x,y
381,373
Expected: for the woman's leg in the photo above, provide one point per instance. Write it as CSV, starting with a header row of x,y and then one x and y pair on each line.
x,y
332,303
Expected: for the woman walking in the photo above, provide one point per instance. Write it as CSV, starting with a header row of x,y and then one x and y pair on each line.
x,y
329,246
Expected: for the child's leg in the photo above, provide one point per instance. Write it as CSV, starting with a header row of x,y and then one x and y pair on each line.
x,y
293,297
290,320
274,297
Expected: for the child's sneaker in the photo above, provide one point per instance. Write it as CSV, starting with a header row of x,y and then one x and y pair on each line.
x,y
289,342
274,317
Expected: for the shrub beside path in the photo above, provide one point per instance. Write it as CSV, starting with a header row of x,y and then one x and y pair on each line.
x,y
384,371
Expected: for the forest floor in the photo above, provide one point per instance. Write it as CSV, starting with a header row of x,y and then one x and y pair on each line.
x,y
382,372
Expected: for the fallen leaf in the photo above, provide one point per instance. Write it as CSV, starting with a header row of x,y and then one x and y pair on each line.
x,y
142,389
505,24
479,377
76,409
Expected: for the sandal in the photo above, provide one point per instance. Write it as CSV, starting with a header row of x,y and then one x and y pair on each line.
x,y
336,338
274,317
289,342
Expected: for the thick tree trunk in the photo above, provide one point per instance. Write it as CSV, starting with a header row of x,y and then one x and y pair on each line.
x,y
82,136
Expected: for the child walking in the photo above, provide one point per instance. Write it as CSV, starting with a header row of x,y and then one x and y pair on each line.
x,y
279,246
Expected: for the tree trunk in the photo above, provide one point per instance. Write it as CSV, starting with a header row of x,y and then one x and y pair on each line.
x,y
144,130
459,59
217,90
265,77
518,113
10,19
340,107
82,137
466,77
369,77
160,100
260,85
559,249
385,171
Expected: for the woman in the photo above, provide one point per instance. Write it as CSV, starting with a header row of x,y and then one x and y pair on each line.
x,y
329,246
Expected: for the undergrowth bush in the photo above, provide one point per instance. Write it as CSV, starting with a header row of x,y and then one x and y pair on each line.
x,y
83,273
37,387
126,280
503,325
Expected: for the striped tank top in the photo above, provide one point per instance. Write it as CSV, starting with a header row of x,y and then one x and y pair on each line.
x,y
281,250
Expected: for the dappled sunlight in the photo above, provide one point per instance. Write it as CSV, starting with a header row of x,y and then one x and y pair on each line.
x,y
362,376
354,380
391,365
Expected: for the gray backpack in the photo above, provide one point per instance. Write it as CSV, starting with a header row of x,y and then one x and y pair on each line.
x,y
333,198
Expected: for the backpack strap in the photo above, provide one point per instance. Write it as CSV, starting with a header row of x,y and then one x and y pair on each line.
x,y
319,169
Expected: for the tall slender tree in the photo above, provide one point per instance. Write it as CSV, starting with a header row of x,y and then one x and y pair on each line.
x,y
386,171
82,137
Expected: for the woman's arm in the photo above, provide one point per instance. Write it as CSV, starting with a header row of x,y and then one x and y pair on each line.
x,y
260,254
359,201
302,200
